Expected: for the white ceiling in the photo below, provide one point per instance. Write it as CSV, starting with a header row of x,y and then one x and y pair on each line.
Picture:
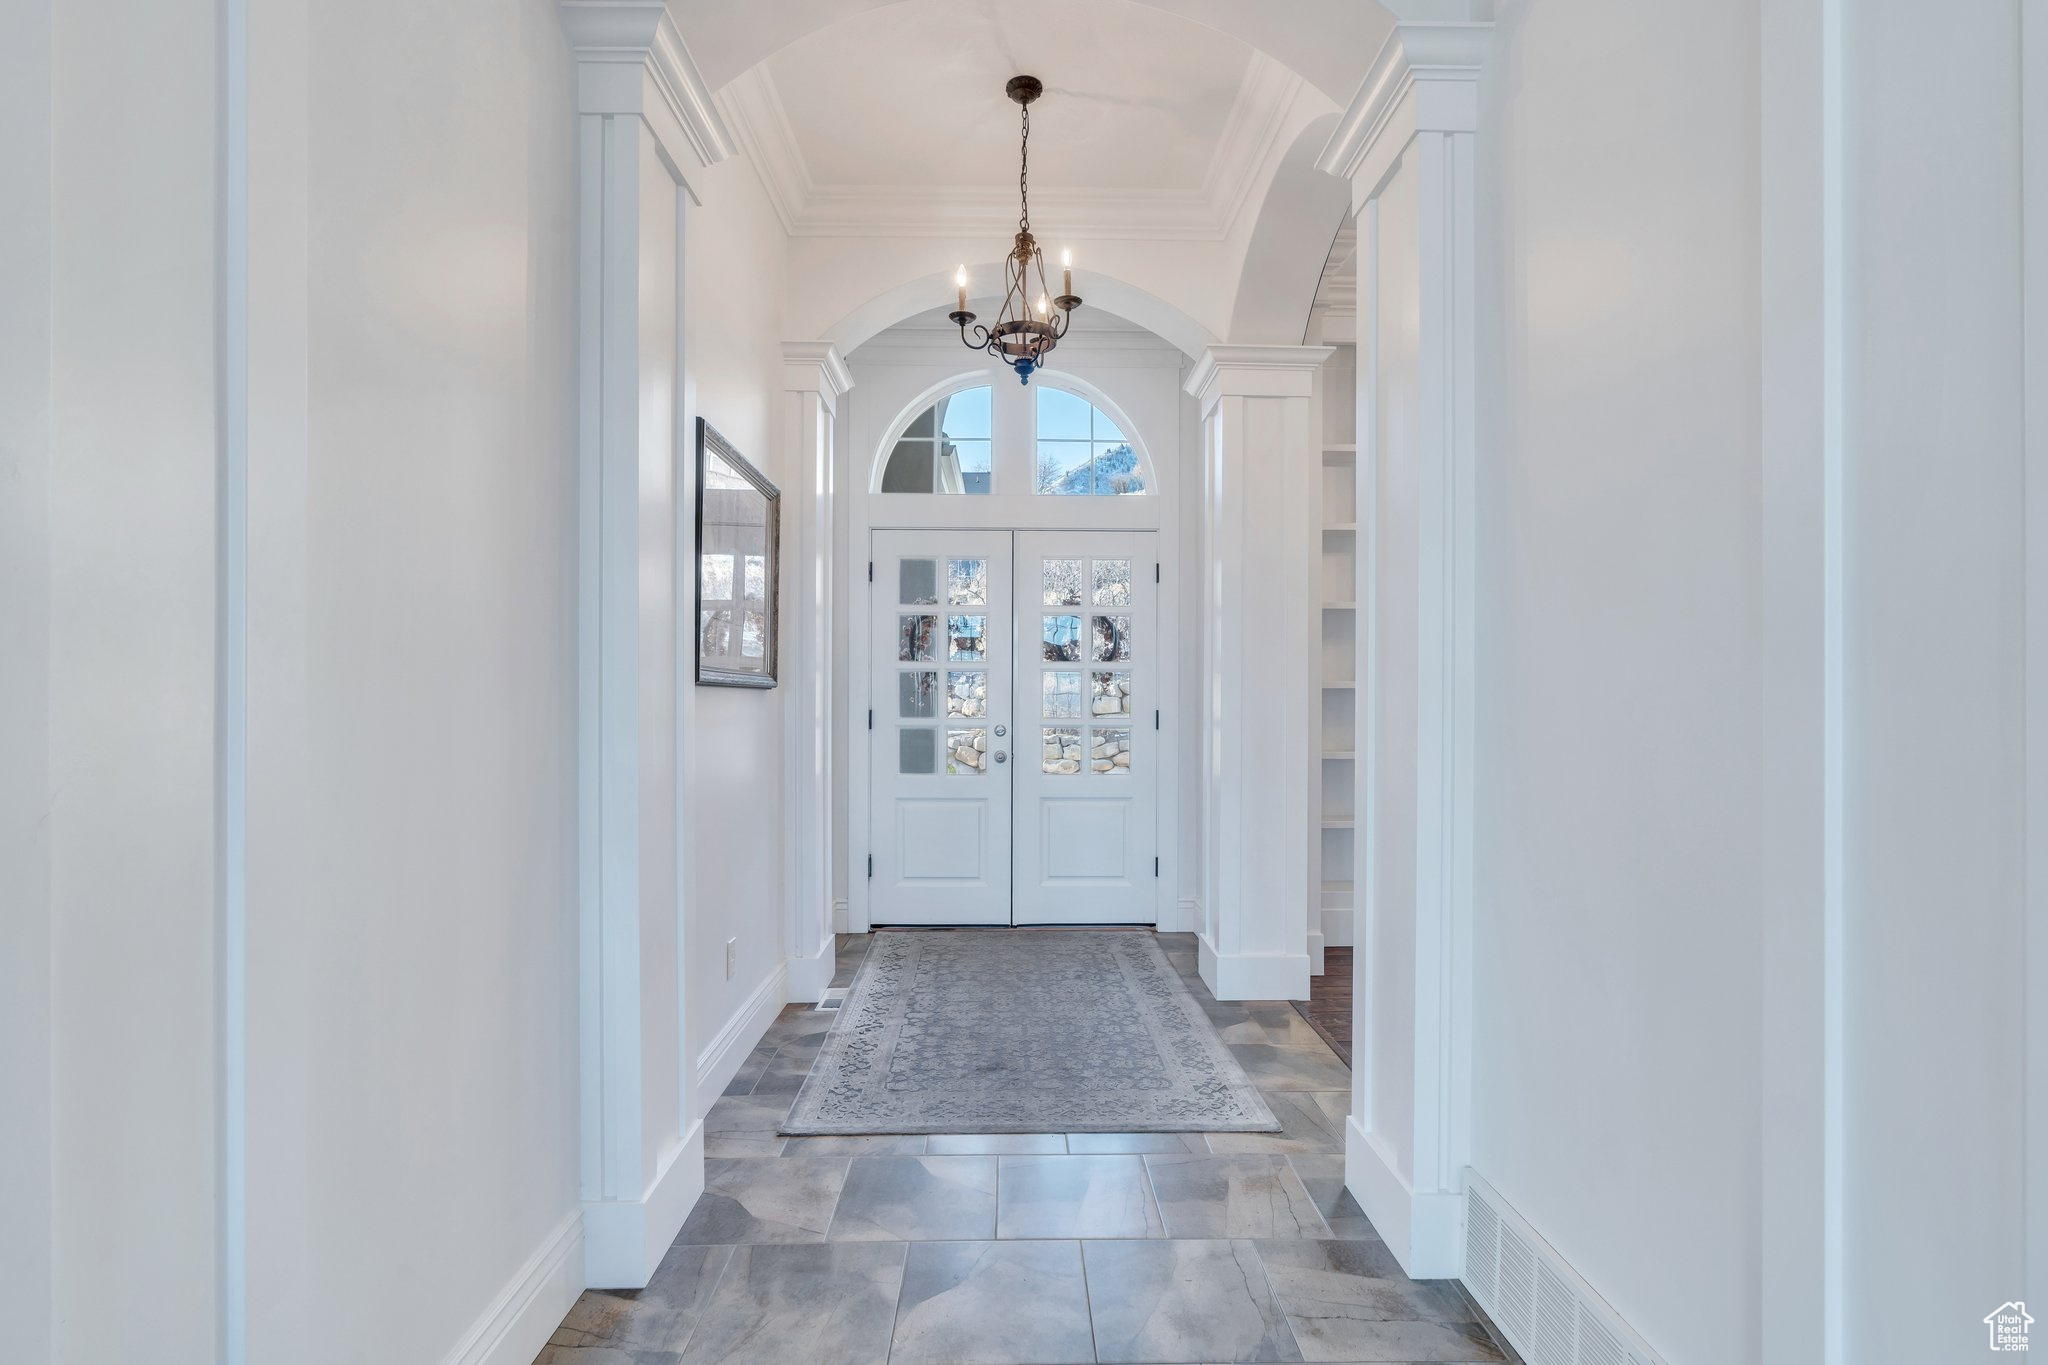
x,y
893,119
1135,99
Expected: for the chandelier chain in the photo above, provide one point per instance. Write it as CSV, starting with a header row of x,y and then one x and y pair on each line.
x,y
1024,175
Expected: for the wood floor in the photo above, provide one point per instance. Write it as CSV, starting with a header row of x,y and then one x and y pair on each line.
x,y
1328,1007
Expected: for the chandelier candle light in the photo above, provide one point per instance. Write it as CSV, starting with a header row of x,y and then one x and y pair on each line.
x,y
1018,339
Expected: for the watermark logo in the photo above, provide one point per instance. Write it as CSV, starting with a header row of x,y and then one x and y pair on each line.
x,y
2008,1324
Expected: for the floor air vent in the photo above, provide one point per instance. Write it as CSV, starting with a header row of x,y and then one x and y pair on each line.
x,y
1547,1312
832,999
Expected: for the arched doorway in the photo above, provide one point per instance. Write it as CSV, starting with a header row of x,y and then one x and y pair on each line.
x,y
1012,677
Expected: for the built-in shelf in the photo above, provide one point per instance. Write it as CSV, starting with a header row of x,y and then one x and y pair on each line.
x,y
1334,733
1341,755
1329,686
1337,895
1339,824
1342,527
1339,447
1340,606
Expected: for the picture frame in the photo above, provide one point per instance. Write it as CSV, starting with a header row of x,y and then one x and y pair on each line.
x,y
739,568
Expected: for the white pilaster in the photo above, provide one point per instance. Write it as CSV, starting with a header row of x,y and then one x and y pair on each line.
x,y
645,124
814,380
1407,146
1261,473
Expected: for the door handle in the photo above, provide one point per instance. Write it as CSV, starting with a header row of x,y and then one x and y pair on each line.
x,y
1002,757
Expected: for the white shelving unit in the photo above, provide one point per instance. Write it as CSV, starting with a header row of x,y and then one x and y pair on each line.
x,y
1334,728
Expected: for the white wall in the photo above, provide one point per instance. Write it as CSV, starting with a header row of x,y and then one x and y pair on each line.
x,y
417,1144
127,817
25,473
1617,938
1934,698
734,766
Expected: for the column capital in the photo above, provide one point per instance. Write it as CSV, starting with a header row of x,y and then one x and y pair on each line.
x,y
815,367
1254,372
1425,80
630,59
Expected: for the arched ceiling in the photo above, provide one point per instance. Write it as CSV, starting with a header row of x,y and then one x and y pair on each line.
x,y
893,121
1328,42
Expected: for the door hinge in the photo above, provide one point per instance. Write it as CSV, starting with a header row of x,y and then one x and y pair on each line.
x,y
871,718
871,866
1155,573
1155,721
871,571
1155,867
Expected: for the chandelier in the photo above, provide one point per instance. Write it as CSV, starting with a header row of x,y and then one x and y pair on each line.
x,y
1024,329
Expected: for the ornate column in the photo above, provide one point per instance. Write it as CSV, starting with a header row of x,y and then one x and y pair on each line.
x,y
1261,474
646,124
815,378
1406,145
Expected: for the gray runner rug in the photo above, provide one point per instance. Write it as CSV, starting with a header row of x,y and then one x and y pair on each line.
x,y
1009,1031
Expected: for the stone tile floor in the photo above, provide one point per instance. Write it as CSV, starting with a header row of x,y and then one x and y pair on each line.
x,y
1034,1248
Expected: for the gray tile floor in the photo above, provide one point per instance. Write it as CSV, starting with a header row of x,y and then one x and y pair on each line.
x,y
1037,1248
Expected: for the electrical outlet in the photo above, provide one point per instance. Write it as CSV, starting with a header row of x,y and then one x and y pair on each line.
x,y
732,957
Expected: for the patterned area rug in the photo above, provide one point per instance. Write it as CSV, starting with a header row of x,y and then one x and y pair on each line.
x,y
1002,1031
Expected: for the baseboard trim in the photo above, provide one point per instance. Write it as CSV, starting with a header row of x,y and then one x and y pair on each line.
x,y
1337,928
809,977
1425,1231
625,1239
1253,976
722,1057
531,1306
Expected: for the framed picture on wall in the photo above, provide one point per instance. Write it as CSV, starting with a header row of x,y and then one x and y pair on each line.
x,y
739,524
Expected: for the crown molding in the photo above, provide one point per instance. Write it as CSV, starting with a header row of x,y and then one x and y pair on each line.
x,y
1248,145
1425,79
1254,372
815,367
630,59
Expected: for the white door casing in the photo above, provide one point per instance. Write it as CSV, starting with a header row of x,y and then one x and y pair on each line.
x,y
1087,734
942,648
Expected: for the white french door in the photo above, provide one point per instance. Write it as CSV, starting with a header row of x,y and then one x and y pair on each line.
x,y
1015,732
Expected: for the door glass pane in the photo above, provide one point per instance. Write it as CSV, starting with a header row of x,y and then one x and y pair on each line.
x,y
1112,582
1110,751
966,695
1109,694
969,638
966,752
916,695
1063,639
917,751
1063,582
1062,695
967,582
918,581
1112,639
1062,752
914,638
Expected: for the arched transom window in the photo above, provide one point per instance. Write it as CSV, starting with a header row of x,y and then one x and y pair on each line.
x,y
957,444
